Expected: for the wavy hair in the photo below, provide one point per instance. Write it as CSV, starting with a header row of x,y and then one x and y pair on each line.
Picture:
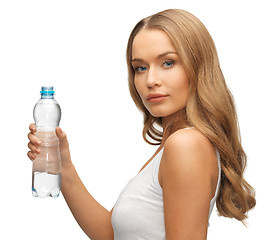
x,y
210,106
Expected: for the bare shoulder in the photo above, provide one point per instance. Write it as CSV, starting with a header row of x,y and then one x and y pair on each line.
x,y
188,174
189,141
189,149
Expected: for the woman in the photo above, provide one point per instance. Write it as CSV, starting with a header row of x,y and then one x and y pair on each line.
x,y
176,81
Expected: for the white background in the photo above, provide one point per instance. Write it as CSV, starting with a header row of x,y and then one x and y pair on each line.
x,y
79,48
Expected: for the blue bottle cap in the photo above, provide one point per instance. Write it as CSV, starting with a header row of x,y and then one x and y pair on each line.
x,y
47,91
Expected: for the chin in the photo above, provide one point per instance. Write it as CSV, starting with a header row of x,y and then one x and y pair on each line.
x,y
159,114
165,112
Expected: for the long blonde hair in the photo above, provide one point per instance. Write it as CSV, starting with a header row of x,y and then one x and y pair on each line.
x,y
210,106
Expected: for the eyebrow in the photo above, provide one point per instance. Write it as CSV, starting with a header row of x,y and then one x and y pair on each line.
x,y
159,56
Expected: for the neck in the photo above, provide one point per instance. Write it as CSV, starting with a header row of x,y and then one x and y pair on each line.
x,y
172,123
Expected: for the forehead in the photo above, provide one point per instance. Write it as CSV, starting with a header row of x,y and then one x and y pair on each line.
x,y
151,42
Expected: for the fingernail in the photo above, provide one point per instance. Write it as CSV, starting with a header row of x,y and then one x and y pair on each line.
x,y
59,129
38,143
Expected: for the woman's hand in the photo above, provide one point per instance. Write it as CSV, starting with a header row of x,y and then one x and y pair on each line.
x,y
90,215
35,143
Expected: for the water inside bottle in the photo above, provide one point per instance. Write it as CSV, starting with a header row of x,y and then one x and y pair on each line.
x,y
46,184
46,169
46,172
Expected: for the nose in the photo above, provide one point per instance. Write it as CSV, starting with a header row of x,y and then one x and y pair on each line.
x,y
153,78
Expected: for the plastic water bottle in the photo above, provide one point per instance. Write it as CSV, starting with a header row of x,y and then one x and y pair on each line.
x,y
46,174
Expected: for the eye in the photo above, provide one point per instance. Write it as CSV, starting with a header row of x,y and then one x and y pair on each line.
x,y
168,63
140,69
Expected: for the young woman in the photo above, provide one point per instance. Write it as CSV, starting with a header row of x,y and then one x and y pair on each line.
x,y
176,81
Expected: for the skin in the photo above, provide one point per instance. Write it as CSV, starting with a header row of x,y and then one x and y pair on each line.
x,y
89,214
188,170
158,69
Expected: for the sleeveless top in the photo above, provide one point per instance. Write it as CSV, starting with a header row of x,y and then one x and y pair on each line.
x,y
138,213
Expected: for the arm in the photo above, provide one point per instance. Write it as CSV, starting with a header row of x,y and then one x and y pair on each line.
x,y
94,219
188,177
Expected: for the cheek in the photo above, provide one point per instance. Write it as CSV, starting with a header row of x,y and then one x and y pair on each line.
x,y
138,87
179,85
142,91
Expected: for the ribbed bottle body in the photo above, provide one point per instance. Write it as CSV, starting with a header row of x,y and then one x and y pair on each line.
x,y
46,172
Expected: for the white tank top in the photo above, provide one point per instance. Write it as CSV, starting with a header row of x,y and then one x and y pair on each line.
x,y
138,213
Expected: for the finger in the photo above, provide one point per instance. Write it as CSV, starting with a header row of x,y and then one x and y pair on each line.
x,y
32,127
33,148
33,139
31,156
62,137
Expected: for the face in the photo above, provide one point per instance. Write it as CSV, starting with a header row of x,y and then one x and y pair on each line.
x,y
160,78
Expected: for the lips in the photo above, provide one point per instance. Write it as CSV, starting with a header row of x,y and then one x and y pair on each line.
x,y
155,95
156,98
